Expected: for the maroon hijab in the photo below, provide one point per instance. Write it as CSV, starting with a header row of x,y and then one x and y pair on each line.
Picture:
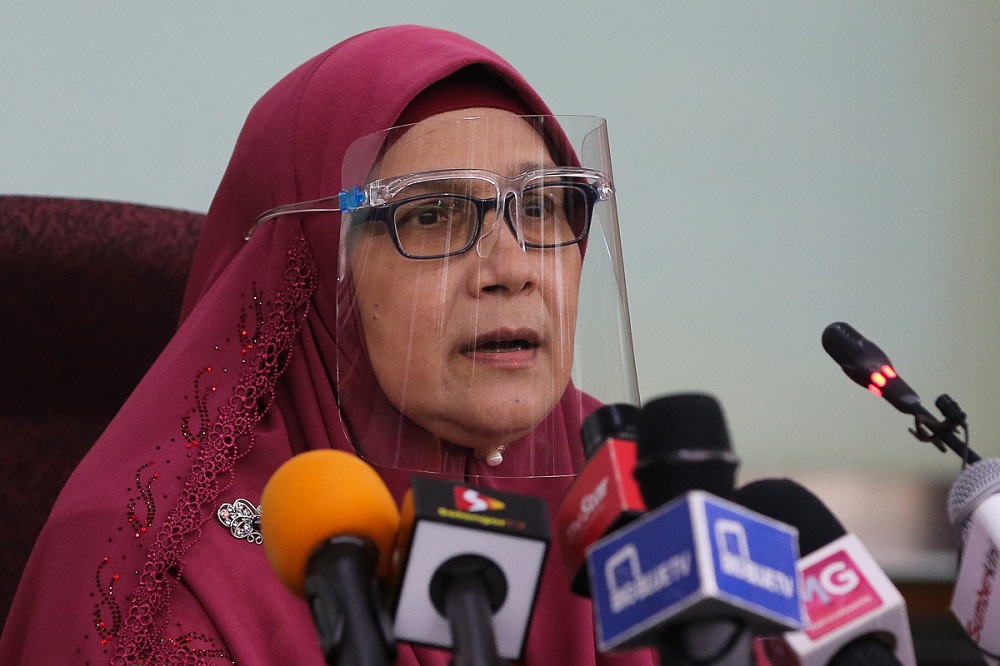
x,y
132,566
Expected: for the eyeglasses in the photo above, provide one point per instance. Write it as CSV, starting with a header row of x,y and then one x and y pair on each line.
x,y
436,214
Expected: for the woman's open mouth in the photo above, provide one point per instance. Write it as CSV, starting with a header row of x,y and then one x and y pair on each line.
x,y
506,348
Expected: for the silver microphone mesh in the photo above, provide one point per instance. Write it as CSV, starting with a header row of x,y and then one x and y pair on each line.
x,y
975,485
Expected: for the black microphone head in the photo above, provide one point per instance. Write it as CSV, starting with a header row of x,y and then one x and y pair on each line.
x,y
682,444
618,420
976,484
857,355
791,503
868,366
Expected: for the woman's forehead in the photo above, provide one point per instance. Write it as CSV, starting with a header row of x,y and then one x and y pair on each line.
x,y
483,138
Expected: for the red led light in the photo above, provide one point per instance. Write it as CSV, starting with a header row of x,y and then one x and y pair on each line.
x,y
888,371
878,379
874,389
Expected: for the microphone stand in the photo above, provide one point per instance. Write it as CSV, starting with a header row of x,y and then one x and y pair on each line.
x,y
927,427
469,589
724,642
471,624
353,627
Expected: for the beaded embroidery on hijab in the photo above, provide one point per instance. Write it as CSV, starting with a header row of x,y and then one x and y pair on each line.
x,y
242,387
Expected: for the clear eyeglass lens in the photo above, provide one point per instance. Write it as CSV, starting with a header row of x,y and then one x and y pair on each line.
x,y
554,214
434,225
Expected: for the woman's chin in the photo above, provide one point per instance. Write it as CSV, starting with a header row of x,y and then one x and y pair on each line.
x,y
494,427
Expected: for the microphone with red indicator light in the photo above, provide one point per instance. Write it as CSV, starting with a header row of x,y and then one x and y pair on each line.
x,y
328,524
867,365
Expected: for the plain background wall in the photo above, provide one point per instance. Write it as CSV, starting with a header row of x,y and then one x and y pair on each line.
x,y
779,166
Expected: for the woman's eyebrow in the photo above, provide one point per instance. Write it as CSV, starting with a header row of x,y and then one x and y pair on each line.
x,y
522,168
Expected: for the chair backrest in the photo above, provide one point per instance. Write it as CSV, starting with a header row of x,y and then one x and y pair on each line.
x,y
90,293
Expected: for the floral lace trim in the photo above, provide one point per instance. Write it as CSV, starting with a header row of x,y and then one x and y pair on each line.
x,y
139,634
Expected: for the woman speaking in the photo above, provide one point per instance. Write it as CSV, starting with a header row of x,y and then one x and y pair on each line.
x,y
408,259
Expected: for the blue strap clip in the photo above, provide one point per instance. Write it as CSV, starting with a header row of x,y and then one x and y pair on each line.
x,y
351,199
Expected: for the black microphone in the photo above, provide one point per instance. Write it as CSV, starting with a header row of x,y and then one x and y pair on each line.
x,y
867,365
856,616
682,445
697,572
469,561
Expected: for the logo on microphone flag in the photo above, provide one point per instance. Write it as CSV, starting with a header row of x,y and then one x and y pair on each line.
x,y
695,557
473,501
835,592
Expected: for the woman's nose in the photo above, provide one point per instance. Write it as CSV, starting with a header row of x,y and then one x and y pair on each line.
x,y
503,216
506,265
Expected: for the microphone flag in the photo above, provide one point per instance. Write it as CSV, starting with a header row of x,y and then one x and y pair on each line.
x,y
846,596
697,557
451,519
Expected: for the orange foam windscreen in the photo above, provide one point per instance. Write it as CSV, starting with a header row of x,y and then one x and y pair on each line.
x,y
318,495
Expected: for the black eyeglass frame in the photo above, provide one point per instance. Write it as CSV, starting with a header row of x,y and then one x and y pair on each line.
x,y
385,214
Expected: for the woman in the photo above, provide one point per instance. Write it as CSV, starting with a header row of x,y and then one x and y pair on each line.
x,y
307,336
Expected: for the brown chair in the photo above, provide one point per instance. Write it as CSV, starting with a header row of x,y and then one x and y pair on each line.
x,y
90,293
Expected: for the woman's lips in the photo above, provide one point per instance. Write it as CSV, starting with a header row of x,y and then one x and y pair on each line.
x,y
514,348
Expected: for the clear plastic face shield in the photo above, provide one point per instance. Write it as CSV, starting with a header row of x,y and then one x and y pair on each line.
x,y
480,273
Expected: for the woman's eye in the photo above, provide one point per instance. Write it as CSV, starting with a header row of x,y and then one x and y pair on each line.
x,y
539,205
427,215
426,218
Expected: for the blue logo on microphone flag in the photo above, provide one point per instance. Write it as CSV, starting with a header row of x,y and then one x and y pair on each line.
x,y
755,560
695,558
643,573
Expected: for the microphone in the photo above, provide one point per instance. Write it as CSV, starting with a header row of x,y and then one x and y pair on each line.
x,y
682,445
469,562
605,496
867,365
974,510
696,570
328,523
856,616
